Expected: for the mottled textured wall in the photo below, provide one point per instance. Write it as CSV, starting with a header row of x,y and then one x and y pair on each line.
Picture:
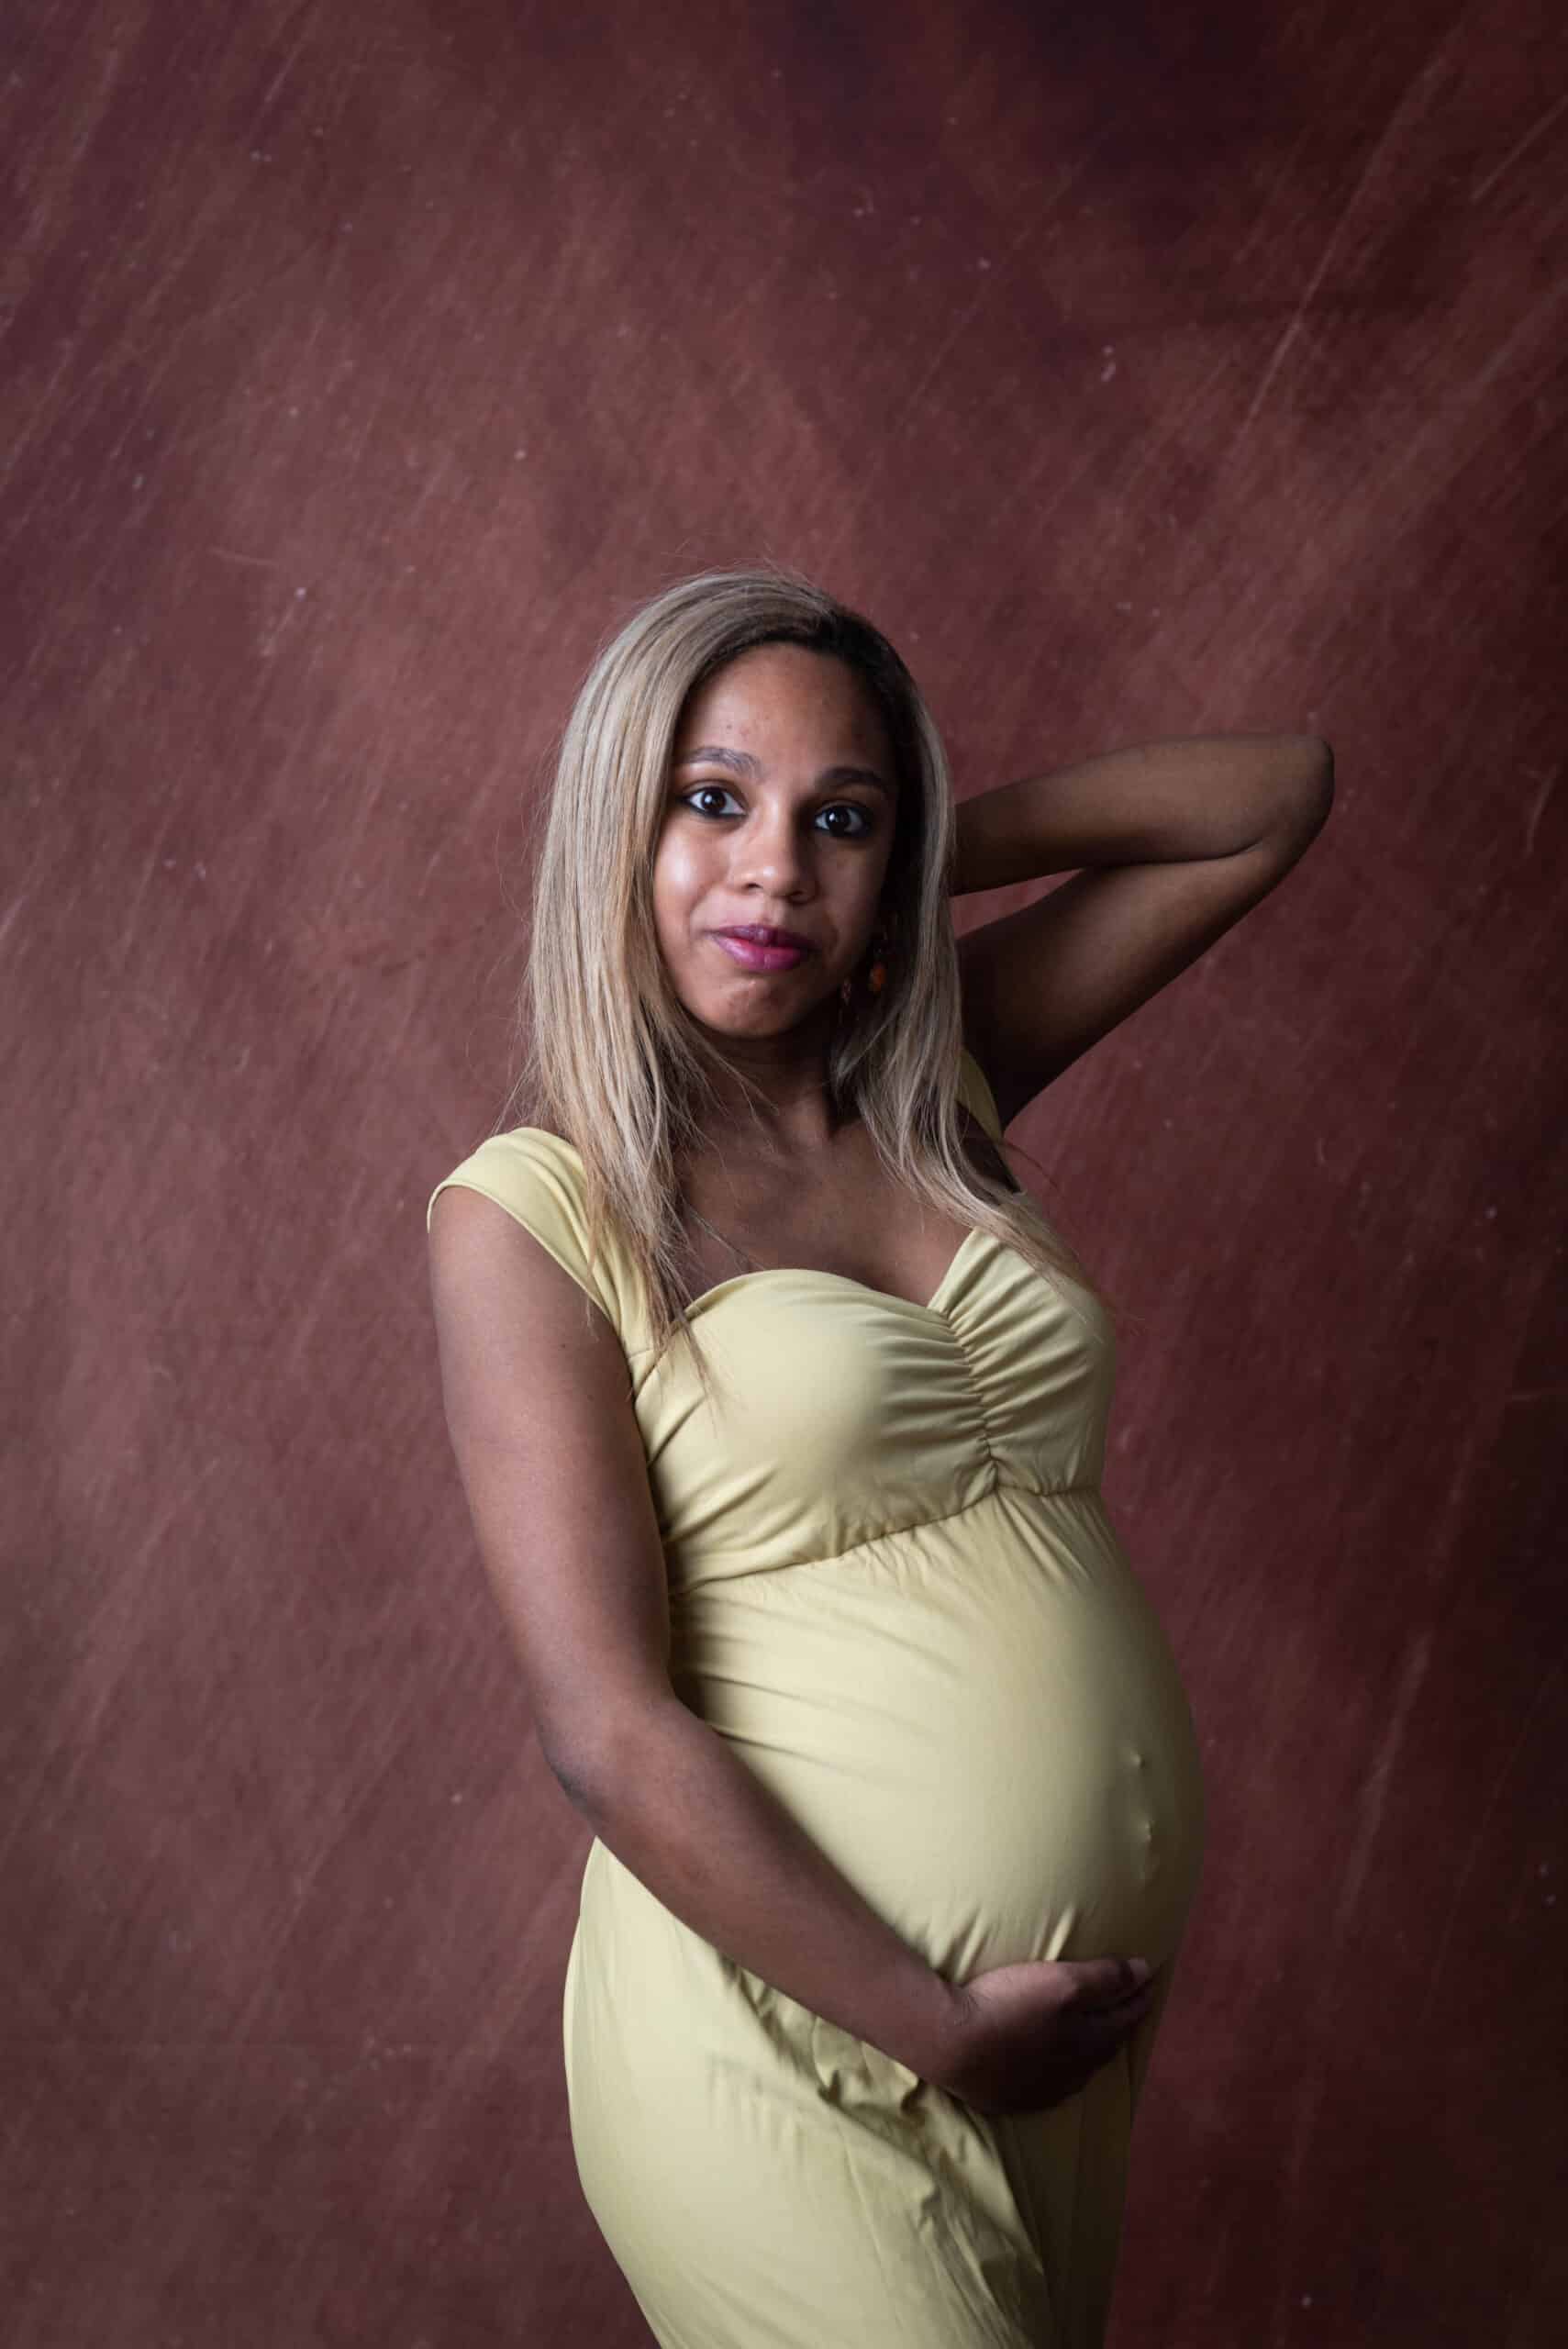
x,y
1142,374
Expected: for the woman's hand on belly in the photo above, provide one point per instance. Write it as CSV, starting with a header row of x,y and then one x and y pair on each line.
x,y
1028,2036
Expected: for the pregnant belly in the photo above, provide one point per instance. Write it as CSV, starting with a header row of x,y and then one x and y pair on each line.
x,y
980,1721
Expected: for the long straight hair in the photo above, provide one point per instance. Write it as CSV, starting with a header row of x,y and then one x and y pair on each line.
x,y
610,1059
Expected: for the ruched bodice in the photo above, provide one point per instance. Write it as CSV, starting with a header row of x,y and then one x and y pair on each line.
x,y
896,1588
850,1415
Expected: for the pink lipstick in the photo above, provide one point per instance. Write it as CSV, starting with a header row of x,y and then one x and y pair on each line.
x,y
760,949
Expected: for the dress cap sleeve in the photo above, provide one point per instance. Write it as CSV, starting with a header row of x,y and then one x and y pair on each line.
x,y
538,1178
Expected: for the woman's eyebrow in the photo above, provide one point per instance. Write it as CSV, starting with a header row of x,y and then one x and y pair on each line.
x,y
742,762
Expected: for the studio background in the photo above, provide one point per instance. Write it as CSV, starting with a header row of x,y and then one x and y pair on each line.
x,y
1142,374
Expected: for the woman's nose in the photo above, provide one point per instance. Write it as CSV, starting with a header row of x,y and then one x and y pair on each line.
x,y
772,850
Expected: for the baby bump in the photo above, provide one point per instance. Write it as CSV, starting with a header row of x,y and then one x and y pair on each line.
x,y
979,1720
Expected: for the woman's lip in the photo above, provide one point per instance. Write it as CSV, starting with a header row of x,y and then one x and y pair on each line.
x,y
752,957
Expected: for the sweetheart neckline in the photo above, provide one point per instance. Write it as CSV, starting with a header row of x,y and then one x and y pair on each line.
x,y
932,1310
808,1272
847,1280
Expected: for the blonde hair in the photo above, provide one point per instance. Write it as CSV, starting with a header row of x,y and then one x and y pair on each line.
x,y
610,1059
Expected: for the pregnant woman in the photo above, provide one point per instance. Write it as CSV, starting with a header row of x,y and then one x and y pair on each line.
x,y
781,1411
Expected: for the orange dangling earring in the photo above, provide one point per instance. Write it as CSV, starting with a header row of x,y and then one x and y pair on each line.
x,y
876,977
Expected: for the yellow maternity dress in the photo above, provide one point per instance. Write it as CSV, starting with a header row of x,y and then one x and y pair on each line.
x,y
895,1590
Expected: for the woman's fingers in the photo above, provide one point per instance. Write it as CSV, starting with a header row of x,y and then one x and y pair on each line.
x,y
1110,1981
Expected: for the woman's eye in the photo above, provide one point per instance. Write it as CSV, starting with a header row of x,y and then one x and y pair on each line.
x,y
864,826
849,808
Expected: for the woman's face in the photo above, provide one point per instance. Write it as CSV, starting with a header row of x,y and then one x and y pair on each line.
x,y
780,814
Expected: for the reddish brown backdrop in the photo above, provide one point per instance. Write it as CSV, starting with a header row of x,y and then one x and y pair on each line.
x,y
1143,373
